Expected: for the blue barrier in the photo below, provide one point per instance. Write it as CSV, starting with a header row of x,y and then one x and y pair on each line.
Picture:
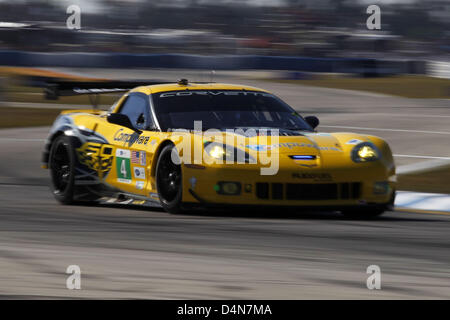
x,y
188,61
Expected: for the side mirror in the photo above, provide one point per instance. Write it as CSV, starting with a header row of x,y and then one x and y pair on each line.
x,y
313,121
122,120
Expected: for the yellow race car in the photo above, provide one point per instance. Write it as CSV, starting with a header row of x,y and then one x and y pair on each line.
x,y
194,145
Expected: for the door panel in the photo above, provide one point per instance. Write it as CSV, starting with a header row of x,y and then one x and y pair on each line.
x,y
132,151
130,166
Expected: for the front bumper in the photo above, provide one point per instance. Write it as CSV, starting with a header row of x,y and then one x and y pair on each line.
x,y
290,187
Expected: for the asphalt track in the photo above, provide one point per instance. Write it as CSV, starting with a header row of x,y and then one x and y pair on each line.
x,y
134,252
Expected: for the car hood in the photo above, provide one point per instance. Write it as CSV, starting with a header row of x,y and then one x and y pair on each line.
x,y
294,143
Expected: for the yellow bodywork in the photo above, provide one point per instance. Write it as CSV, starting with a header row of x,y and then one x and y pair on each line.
x,y
333,164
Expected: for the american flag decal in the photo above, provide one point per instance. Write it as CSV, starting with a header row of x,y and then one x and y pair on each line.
x,y
138,157
135,157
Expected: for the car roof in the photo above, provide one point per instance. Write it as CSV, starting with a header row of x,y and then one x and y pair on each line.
x,y
192,86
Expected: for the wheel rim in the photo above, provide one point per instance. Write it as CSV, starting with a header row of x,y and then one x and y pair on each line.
x,y
60,168
169,178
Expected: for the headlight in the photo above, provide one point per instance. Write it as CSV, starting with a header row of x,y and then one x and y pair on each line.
x,y
226,153
364,152
217,151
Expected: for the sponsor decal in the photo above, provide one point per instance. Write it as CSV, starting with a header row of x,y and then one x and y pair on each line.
x,y
123,166
95,90
139,157
354,141
139,173
212,93
143,158
257,147
289,145
140,185
130,138
313,176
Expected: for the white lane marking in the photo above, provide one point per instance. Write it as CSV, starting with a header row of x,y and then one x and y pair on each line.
x,y
420,157
423,201
393,130
22,139
423,166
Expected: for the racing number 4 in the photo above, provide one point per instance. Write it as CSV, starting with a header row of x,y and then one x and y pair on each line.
x,y
123,169
123,165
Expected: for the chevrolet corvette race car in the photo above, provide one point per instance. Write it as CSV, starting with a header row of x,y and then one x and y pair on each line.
x,y
186,145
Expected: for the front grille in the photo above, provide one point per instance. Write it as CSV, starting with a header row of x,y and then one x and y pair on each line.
x,y
308,191
277,191
262,190
350,190
298,191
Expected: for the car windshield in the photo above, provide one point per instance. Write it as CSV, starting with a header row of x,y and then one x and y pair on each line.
x,y
225,109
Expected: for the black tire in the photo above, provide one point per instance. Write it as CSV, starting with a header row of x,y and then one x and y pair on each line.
x,y
364,213
169,181
61,164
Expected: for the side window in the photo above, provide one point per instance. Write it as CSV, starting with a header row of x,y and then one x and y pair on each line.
x,y
137,109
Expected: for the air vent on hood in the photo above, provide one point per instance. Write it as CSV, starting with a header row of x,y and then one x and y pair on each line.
x,y
303,157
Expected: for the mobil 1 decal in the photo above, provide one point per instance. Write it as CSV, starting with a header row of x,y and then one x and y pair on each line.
x,y
123,166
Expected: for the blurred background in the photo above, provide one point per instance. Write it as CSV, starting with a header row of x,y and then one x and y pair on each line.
x,y
315,36
318,55
317,28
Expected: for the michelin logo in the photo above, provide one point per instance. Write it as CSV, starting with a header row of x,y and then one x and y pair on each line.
x,y
139,173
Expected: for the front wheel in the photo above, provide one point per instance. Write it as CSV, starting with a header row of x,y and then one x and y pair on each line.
x,y
169,181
